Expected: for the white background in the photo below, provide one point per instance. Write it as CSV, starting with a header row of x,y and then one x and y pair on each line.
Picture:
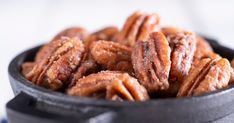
x,y
27,23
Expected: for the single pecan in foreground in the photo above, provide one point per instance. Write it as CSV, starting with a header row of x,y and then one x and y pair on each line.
x,y
54,71
73,32
209,75
110,85
93,84
137,27
183,46
125,87
112,55
151,62
107,33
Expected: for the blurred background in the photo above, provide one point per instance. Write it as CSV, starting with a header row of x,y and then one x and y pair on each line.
x,y
27,23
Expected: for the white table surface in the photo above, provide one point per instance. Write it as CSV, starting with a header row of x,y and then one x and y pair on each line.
x,y
26,23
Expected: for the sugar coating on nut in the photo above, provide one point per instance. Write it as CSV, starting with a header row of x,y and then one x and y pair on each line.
x,y
151,62
54,71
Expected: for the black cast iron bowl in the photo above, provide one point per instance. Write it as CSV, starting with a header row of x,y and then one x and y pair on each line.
x,y
34,104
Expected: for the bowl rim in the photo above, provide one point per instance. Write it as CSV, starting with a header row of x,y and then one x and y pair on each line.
x,y
53,97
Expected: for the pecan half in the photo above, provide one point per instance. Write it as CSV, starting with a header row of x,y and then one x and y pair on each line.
x,y
111,84
73,32
208,76
137,27
107,33
93,84
125,87
112,55
151,62
183,45
54,71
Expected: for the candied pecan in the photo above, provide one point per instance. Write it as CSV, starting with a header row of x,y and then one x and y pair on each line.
x,y
106,33
125,87
151,62
27,67
73,32
113,84
183,45
209,75
112,55
93,83
137,27
53,72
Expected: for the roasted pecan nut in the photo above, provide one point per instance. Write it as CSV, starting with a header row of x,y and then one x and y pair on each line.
x,y
111,84
107,33
54,71
151,62
112,55
183,45
125,87
93,84
208,76
73,32
137,27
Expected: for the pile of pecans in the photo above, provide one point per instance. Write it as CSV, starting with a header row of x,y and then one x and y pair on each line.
x,y
143,60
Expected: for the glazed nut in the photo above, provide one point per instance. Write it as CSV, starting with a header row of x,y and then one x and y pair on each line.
x,y
137,27
208,76
111,84
54,71
151,62
125,87
112,55
183,46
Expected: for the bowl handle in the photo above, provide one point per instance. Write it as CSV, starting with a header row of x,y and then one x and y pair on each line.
x,y
27,109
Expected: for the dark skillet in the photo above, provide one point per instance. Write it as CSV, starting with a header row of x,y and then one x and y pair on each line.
x,y
34,104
